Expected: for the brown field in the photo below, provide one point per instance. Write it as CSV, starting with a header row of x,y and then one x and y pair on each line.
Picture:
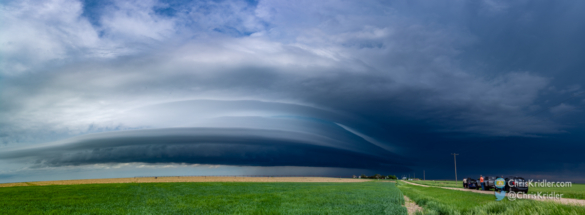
x,y
185,179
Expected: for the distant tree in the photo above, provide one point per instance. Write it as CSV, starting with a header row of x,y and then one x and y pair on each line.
x,y
377,176
364,176
392,177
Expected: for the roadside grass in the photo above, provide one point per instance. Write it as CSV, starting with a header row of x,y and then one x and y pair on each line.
x,y
205,198
456,200
452,202
576,191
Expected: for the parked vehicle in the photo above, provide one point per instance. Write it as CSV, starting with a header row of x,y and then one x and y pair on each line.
x,y
516,184
472,184
489,182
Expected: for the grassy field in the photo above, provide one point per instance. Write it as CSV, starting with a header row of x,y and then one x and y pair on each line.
x,y
204,198
461,201
443,201
577,191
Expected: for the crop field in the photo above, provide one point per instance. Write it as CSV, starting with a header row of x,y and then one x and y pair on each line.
x,y
576,191
204,198
184,179
443,201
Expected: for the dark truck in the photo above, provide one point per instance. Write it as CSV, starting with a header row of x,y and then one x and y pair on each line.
x,y
489,182
472,184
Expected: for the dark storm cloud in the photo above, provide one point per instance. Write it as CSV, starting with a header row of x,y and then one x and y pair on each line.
x,y
377,78
245,147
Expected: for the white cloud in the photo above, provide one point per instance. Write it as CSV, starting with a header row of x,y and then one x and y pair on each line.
x,y
36,32
136,21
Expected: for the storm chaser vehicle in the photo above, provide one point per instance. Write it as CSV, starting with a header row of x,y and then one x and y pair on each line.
x,y
516,184
489,182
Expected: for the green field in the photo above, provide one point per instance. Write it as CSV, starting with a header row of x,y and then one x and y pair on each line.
x,y
205,198
577,191
442,201
462,201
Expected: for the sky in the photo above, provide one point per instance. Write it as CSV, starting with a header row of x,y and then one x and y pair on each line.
x,y
105,89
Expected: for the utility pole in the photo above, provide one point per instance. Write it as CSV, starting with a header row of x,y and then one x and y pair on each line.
x,y
424,179
455,157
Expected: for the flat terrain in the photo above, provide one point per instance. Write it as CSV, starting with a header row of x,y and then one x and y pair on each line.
x,y
463,201
205,198
576,191
436,200
185,179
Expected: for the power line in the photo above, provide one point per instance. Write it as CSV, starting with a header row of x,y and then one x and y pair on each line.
x,y
455,158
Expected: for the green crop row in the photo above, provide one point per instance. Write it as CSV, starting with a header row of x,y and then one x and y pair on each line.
x,y
205,198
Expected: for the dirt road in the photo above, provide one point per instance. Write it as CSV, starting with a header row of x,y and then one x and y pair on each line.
x,y
411,206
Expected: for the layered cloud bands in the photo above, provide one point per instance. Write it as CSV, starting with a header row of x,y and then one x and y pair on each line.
x,y
240,147
244,133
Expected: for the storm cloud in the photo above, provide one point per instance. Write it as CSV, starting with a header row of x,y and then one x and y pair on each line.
x,y
245,147
388,86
